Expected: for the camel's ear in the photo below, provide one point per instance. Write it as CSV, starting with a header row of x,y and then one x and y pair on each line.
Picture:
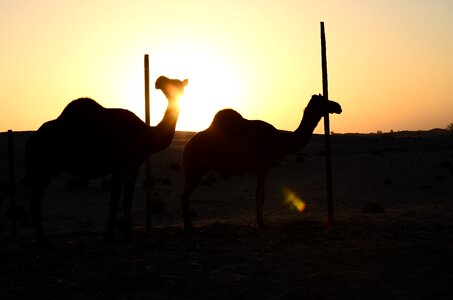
x,y
185,82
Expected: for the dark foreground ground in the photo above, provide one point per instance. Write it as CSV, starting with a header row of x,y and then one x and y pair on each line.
x,y
392,238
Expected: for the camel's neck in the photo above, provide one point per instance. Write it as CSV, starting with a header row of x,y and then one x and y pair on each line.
x,y
294,141
160,136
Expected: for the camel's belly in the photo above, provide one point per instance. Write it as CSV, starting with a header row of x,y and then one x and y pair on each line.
x,y
232,164
95,165
88,169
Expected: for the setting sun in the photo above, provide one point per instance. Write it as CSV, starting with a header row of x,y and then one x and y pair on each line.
x,y
214,84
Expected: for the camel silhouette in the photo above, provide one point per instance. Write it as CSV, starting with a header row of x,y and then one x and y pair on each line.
x,y
90,141
233,145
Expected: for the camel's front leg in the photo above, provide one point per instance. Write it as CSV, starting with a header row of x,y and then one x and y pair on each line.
x,y
129,186
260,197
117,186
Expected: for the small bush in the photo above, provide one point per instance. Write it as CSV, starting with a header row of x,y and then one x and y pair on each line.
x,y
450,127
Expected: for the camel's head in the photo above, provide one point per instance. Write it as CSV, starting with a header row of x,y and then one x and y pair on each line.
x,y
172,88
320,105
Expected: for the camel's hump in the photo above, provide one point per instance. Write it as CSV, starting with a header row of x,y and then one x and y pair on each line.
x,y
80,107
228,121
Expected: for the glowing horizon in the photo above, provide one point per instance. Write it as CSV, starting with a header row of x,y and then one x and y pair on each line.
x,y
389,63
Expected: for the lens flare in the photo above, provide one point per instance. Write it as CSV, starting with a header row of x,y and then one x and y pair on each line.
x,y
293,201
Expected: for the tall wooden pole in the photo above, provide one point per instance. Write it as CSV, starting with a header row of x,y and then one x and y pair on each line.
x,y
12,183
148,160
327,128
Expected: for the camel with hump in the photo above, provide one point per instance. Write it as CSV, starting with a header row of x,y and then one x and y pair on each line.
x,y
90,141
233,145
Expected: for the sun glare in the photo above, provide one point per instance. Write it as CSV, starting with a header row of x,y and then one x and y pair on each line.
x,y
214,81
293,201
203,98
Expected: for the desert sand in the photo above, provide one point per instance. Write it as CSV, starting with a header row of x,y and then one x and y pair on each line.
x,y
392,237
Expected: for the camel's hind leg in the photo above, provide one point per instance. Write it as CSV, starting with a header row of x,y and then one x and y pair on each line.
x,y
36,195
185,199
192,179
117,187
260,197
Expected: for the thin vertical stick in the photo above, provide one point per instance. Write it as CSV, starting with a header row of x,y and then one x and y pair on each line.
x,y
326,128
12,183
148,160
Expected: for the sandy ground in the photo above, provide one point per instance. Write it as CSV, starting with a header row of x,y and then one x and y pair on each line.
x,y
392,237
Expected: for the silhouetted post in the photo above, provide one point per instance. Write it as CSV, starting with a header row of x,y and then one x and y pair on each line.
x,y
325,93
12,183
148,160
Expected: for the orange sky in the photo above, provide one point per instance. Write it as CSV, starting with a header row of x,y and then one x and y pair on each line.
x,y
390,63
